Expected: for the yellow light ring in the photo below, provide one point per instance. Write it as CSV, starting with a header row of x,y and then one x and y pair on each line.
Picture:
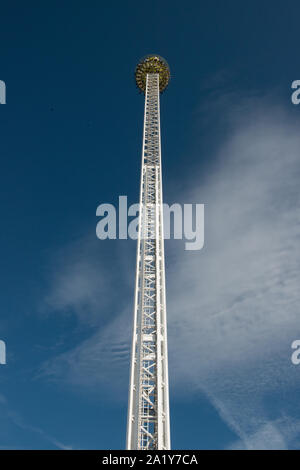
x,y
152,64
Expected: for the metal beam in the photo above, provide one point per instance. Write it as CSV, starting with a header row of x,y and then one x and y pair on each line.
x,y
148,425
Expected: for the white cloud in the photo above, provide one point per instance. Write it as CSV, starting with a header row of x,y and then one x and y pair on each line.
x,y
81,278
11,417
237,311
270,436
102,359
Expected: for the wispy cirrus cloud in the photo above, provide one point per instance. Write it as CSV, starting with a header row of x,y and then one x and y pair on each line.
x,y
10,417
102,360
238,311
80,281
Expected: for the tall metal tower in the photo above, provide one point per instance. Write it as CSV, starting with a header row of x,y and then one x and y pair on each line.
x,y
148,424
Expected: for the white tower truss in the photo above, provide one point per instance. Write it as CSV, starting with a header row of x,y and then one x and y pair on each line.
x,y
148,424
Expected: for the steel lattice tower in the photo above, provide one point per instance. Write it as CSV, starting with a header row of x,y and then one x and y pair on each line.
x,y
148,424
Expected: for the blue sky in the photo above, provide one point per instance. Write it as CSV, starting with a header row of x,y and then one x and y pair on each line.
x,y
71,136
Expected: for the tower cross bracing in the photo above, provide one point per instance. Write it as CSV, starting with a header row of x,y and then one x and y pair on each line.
x,y
148,424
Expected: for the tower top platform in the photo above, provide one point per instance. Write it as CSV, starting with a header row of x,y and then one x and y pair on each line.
x,y
152,63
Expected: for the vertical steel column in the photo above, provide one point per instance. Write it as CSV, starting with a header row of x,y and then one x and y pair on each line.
x,y
148,424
